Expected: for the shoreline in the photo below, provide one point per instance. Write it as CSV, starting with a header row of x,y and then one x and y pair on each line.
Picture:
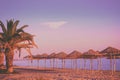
x,y
32,73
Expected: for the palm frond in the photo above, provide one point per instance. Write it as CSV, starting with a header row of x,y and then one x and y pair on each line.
x,y
33,43
25,34
23,45
1,35
19,52
18,38
13,41
1,40
9,27
21,29
29,51
28,37
3,27
15,27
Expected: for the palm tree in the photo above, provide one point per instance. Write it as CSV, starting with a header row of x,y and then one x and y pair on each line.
x,y
13,38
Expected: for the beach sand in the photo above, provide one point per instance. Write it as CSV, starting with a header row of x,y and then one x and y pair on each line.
x,y
32,73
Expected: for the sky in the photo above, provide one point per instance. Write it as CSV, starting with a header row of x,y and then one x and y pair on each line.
x,y
67,25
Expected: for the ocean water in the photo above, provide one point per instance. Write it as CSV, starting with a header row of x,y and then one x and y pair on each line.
x,y
94,64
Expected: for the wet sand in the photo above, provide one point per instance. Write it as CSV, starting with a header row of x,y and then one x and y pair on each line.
x,y
31,73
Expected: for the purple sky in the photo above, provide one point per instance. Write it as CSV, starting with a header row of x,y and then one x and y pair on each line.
x,y
67,25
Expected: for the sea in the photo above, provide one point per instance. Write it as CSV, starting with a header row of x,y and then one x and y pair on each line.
x,y
94,64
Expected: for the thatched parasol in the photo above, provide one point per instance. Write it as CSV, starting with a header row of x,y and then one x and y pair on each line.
x,y
74,56
112,54
62,56
52,56
38,56
44,56
90,54
28,57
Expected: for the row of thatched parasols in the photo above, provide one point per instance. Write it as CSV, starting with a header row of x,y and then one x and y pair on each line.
x,y
110,53
73,55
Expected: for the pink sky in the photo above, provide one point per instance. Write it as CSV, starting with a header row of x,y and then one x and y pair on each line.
x,y
67,25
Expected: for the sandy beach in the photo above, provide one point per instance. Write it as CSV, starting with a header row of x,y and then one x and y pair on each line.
x,y
31,73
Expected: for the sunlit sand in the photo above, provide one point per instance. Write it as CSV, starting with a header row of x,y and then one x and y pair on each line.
x,y
32,73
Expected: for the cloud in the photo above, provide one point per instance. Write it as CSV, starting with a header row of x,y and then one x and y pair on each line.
x,y
55,24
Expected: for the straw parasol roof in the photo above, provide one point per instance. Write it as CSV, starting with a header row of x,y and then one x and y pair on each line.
x,y
36,56
111,51
28,57
52,55
44,55
75,54
61,55
91,54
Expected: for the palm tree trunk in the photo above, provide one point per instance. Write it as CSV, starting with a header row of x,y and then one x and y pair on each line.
x,y
1,61
9,60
